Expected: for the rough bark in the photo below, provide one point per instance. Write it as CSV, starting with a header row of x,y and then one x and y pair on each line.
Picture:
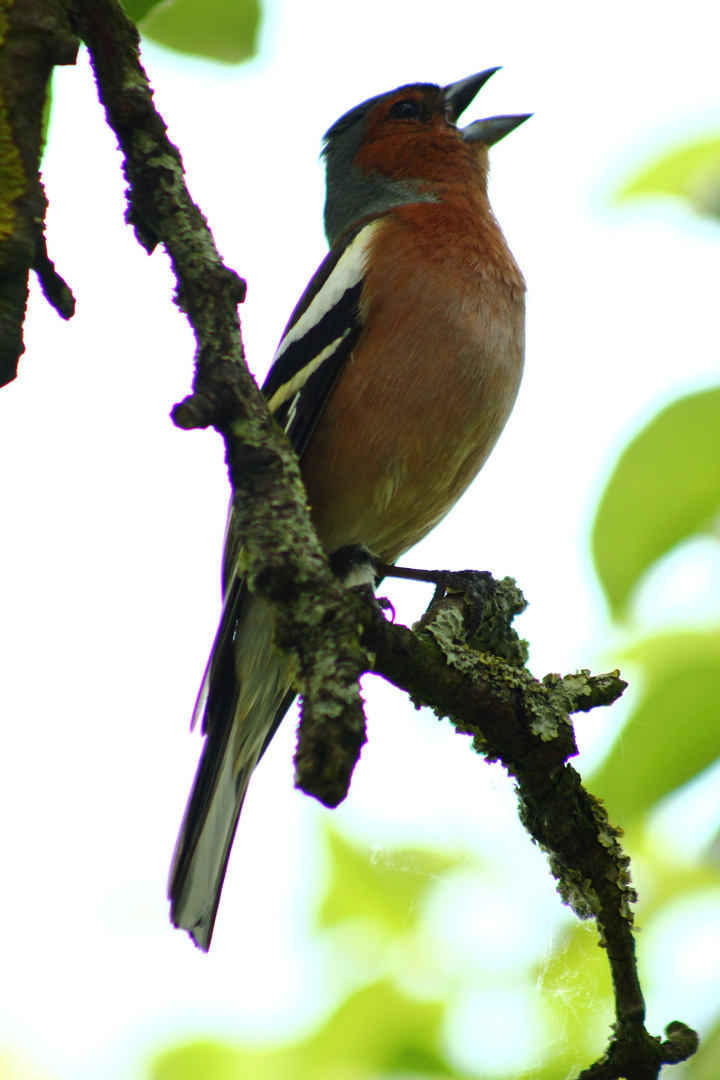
x,y
34,36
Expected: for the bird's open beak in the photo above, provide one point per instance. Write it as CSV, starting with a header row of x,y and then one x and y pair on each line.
x,y
458,95
493,129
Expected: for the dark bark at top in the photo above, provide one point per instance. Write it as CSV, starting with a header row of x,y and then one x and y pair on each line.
x,y
34,36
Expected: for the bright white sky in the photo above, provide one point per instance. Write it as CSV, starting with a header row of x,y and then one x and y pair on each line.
x,y
113,519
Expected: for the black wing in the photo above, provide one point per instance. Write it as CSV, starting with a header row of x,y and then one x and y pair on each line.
x,y
315,346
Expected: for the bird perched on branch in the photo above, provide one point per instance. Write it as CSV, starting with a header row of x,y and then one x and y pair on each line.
x,y
393,380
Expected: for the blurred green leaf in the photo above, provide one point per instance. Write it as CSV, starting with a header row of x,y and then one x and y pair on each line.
x,y
674,733
705,1065
209,1060
13,1067
379,1031
693,172
665,488
576,999
224,30
672,883
388,889
138,9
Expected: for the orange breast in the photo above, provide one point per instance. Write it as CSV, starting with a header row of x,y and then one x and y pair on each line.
x,y
432,381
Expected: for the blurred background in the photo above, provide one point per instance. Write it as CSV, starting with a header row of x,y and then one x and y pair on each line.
x,y
415,931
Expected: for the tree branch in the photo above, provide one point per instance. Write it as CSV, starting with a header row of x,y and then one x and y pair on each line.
x,y
316,622
486,692
34,36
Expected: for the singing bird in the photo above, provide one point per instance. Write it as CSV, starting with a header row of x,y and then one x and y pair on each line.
x,y
393,380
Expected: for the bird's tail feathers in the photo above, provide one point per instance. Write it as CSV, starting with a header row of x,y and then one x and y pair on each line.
x,y
203,847
245,695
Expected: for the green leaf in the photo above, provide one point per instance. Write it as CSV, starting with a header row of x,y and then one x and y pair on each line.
x,y
673,734
378,1031
223,30
138,9
576,1002
210,1060
13,1067
670,884
388,890
693,172
665,488
706,1063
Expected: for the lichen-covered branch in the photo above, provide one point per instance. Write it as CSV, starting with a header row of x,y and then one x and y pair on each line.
x,y
316,621
34,36
483,687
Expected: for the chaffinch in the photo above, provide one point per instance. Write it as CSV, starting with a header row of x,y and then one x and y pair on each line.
x,y
393,380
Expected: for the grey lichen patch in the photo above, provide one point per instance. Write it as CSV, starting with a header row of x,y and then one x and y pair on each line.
x,y
609,836
496,634
496,653
555,698
144,142
331,697
547,714
576,891
447,626
552,702
545,704
571,687
579,892
600,690
172,177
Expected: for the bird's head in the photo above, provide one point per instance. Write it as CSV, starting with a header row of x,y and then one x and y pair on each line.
x,y
395,148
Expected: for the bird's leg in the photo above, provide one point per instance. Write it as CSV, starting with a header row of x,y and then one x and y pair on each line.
x,y
379,604
476,586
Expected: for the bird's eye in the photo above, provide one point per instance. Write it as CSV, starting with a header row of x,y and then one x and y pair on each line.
x,y
405,110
